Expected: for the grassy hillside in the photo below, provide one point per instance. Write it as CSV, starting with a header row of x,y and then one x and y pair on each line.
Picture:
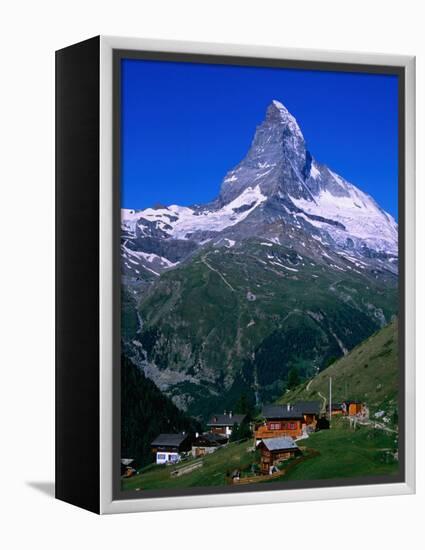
x,y
216,470
145,413
344,453
368,373
339,453
238,320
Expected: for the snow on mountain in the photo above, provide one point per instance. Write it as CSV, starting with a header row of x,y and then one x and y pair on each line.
x,y
277,180
181,222
137,262
280,163
361,217
277,155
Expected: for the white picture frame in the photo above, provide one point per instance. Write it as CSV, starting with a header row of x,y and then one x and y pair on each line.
x,y
108,505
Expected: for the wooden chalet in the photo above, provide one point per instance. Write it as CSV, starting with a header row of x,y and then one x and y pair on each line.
x,y
310,411
350,408
275,450
128,467
207,443
167,448
287,420
280,421
222,424
354,407
337,409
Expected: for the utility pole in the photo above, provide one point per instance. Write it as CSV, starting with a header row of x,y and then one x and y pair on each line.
x,y
330,400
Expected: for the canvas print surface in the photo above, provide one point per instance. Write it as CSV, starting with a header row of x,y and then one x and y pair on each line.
x,y
259,275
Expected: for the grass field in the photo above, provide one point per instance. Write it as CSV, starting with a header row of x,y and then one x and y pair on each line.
x,y
217,469
346,453
340,453
369,373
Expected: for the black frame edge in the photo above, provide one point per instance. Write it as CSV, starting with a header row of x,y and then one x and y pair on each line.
x,y
77,451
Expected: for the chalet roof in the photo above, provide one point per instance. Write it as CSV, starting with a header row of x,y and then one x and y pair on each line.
x,y
169,440
296,410
227,419
336,406
308,407
211,439
279,443
280,411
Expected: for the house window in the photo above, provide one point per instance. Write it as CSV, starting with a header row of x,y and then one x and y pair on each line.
x,y
292,426
275,426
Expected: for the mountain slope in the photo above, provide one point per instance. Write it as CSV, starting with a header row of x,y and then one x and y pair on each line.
x,y
369,373
289,266
260,308
145,413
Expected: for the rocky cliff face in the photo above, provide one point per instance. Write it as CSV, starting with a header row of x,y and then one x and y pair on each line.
x,y
289,266
276,161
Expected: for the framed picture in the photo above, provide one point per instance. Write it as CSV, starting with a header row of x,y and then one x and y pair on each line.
x,y
235,275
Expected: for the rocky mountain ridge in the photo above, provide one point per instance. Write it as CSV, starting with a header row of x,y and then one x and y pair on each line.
x,y
288,247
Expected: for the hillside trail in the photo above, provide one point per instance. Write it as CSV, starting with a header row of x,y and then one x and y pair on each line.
x,y
203,259
324,400
379,425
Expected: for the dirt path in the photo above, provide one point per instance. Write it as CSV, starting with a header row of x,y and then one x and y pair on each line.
x,y
324,400
379,425
218,273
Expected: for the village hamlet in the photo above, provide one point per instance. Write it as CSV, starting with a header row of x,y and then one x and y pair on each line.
x,y
263,445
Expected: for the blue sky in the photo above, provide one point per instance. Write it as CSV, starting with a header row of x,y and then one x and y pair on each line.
x,y
185,125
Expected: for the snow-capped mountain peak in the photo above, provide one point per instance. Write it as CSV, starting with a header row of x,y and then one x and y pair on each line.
x,y
277,155
277,180
278,113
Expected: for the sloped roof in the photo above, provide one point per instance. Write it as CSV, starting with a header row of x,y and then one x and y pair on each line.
x,y
308,407
280,411
226,419
334,406
169,440
295,410
280,443
212,439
